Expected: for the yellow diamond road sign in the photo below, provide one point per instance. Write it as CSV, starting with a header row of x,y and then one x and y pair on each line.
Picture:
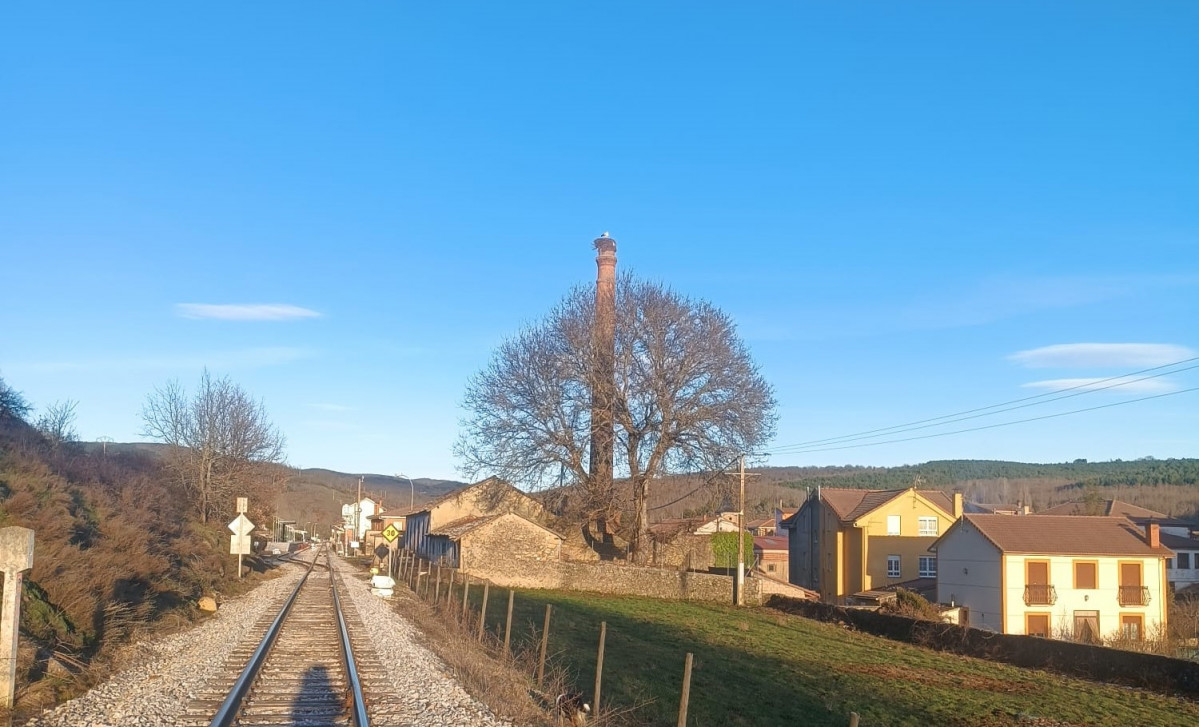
x,y
391,533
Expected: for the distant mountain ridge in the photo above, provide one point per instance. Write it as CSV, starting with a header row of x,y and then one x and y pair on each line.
x,y
315,494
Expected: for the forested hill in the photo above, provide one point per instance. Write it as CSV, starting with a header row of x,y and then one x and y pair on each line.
x,y
950,473
1165,485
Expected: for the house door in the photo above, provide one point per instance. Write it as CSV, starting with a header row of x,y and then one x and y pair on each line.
x,y
1037,590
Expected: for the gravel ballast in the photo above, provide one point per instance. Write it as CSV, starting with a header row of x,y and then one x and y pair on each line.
x,y
172,669
424,690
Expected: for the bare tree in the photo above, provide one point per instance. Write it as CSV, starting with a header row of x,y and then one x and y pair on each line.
x,y
12,403
57,423
686,397
222,444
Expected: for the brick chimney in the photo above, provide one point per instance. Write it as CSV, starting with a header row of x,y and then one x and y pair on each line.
x,y
957,504
1153,534
604,372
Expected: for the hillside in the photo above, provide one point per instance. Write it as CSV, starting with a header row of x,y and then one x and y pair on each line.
x,y
316,495
1167,485
117,552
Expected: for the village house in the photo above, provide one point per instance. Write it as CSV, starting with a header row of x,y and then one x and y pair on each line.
x,y
760,526
842,542
770,555
1182,570
374,541
1067,576
491,496
362,511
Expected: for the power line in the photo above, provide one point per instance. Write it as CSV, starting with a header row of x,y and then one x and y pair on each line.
x,y
995,426
1088,386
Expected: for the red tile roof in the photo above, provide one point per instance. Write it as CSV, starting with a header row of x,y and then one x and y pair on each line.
x,y
1062,534
849,505
771,542
1103,507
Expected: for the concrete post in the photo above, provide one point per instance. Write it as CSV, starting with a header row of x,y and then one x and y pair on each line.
x,y
16,557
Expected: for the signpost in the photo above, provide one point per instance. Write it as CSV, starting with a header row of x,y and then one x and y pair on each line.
x,y
390,533
16,557
239,542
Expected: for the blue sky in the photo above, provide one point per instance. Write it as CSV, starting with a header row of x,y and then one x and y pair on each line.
x,y
894,201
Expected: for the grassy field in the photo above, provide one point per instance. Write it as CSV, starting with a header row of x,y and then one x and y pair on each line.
x,y
760,667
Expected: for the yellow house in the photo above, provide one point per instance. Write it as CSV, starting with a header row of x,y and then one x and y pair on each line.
x,y
1079,577
843,542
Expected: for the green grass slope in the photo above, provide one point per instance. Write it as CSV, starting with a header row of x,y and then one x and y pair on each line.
x,y
760,667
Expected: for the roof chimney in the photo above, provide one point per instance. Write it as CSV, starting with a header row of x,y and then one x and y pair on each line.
x,y
1153,535
957,505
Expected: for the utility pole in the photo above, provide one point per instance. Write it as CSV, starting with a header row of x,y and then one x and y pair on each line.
x,y
358,513
741,539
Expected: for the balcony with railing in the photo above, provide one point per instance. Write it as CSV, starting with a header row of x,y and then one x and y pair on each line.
x,y
1134,595
1040,595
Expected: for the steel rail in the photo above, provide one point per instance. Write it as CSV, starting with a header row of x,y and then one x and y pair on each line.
x,y
226,715
347,656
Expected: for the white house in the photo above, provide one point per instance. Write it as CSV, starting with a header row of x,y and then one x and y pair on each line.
x,y
1182,571
363,511
1080,577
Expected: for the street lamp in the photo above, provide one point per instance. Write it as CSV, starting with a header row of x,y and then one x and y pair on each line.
x,y
411,490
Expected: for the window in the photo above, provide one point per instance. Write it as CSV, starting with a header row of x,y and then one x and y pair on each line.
x,y
928,566
892,525
928,525
893,570
1184,560
770,568
1036,624
1086,627
1132,626
1169,564
1086,574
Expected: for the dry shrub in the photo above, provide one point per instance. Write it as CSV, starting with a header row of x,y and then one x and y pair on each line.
x,y
115,554
912,605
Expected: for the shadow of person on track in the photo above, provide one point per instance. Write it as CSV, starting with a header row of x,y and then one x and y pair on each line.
x,y
317,703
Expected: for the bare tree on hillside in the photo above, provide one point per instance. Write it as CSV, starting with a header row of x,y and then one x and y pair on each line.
x,y
687,396
222,444
12,403
57,423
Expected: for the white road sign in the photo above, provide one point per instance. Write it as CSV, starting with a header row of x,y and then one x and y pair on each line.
x,y
241,525
239,545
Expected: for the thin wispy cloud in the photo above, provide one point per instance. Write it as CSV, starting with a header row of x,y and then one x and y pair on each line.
x,y
250,358
1147,386
327,425
245,311
331,407
1103,355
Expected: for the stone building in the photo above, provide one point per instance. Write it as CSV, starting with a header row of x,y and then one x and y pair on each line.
x,y
491,496
482,545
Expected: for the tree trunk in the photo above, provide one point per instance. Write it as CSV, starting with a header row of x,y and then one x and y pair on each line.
x,y
640,545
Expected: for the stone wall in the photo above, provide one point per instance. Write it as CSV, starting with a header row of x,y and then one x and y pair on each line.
x,y
614,579
506,540
684,552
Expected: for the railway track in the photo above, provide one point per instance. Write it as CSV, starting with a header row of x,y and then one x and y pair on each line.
x,y
304,672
